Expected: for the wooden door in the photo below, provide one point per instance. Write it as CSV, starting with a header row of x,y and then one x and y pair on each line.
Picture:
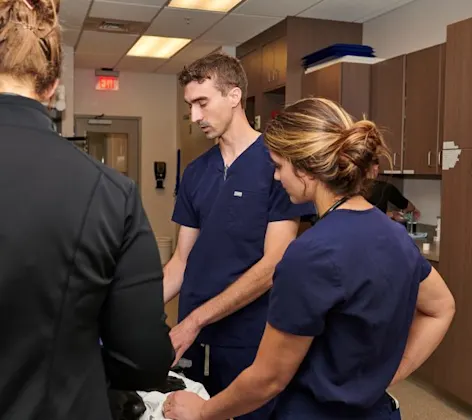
x,y
252,64
458,85
280,62
323,83
387,107
268,64
422,111
355,89
453,363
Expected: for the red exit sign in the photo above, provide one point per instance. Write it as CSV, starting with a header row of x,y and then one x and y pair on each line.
x,y
107,83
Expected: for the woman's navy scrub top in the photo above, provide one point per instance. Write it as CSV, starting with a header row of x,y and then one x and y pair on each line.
x,y
232,209
351,282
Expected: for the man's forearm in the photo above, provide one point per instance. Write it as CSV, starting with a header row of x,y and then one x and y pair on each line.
x,y
426,333
173,279
250,286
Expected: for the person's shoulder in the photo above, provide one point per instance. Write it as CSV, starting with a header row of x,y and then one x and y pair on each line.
x,y
309,246
92,167
201,162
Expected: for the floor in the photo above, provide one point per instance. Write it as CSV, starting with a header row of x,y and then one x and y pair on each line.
x,y
417,403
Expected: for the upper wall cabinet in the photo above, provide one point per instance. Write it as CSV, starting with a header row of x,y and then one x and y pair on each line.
x,y
424,105
345,83
252,64
458,85
387,107
274,64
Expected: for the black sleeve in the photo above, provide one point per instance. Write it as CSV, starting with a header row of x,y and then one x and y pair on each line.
x,y
137,350
396,197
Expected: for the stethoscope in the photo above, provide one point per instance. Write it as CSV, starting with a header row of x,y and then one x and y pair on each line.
x,y
338,203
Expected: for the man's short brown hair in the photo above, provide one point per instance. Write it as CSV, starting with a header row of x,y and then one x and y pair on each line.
x,y
226,71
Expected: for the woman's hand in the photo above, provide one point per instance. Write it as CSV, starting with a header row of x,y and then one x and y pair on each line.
x,y
183,405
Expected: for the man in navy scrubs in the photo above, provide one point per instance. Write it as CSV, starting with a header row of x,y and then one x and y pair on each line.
x,y
236,223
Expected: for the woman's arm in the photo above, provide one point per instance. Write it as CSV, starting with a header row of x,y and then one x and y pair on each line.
x,y
435,310
278,359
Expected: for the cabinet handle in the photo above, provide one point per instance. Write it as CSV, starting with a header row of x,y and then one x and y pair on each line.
x,y
395,159
440,158
429,158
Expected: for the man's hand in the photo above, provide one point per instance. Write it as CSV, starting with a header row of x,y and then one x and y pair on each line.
x,y
183,406
183,336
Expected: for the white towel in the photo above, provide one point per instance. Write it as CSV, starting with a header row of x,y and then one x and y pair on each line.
x,y
155,400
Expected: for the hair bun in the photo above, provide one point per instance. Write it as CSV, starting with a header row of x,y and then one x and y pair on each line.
x,y
360,146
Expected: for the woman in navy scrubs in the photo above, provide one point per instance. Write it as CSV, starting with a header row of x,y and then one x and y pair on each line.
x,y
354,308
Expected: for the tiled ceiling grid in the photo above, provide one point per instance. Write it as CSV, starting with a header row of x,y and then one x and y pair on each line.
x,y
207,30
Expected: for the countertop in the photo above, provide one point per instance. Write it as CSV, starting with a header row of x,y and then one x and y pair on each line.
x,y
433,253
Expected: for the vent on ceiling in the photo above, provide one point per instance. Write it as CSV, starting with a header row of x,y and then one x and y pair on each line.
x,y
115,26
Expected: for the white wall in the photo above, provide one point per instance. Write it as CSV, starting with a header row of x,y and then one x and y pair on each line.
x,y
424,194
417,25
152,97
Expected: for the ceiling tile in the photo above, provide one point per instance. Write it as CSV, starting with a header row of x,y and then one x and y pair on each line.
x,y
194,51
352,10
139,64
95,42
95,61
385,8
235,29
181,23
142,2
274,8
70,36
73,13
123,11
170,67
188,55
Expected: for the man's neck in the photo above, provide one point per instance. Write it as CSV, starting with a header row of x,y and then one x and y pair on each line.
x,y
239,136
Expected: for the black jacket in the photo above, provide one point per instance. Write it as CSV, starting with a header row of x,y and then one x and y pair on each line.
x,y
78,263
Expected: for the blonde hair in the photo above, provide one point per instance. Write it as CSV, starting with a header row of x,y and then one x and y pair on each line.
x,y
321,139
30,42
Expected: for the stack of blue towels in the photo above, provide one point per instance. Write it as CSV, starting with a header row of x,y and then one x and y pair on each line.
x,y
336,51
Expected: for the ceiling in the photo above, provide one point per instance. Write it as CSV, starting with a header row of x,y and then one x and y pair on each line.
x,y
208,30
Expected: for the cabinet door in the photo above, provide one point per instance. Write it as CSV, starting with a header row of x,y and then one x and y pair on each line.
x,y
387,106
280,62
252,64
422,111
274,64
453,363
268,65
323,83
458,95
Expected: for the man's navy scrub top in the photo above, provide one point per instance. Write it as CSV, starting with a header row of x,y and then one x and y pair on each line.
x,y
231,209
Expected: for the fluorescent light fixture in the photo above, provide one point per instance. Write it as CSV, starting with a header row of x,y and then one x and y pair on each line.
x,y
208,5
157,47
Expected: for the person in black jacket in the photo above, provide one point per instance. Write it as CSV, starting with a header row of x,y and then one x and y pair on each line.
x,y
79,264
383,193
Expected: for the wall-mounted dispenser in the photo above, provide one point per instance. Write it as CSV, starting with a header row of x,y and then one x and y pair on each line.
x,y
160,174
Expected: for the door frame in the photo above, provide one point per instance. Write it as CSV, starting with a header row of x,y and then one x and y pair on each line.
x,y
119,118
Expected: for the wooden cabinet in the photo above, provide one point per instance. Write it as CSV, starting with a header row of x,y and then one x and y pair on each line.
x,y
458,85
252,64
345,83
387,107
424,89
274,64
452,361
